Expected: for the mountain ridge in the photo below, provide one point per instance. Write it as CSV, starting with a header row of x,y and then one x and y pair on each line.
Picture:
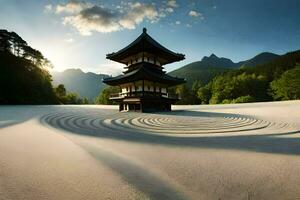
x,y
85,84
210,66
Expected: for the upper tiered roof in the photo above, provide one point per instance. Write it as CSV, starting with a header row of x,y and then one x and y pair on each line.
x,y
145,43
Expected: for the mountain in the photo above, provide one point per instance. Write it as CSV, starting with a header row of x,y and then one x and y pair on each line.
x,y
209,67
84,84
259,59
215,61
277,79
204,70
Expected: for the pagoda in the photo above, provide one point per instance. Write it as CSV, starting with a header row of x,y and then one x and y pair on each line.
x,y
144,85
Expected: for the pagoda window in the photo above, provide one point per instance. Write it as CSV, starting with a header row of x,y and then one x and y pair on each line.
x,y
140,59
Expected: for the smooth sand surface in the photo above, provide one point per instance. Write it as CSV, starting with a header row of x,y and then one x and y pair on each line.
x,y
241,151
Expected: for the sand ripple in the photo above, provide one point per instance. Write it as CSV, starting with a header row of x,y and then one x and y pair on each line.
x,y
179,123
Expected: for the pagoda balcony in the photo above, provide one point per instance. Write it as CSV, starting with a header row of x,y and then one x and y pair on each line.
x,y
123,95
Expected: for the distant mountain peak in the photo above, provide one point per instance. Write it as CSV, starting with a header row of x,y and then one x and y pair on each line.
x,y
261,58
215,61
78,70
84,84
213,56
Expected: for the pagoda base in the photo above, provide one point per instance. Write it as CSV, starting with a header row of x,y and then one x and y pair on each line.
x,y
146,104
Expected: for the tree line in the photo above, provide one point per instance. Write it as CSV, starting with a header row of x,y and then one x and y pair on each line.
x,y
273,81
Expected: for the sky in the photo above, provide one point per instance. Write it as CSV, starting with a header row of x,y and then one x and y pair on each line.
x,y
79,34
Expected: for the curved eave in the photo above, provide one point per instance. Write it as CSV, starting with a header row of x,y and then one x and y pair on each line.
x,y
137,46
143,74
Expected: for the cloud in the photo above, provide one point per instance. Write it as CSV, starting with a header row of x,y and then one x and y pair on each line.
x,y
69,40
194,13
137,13
73,6
172,3
169,10
177,22
86,17
48,8
93,19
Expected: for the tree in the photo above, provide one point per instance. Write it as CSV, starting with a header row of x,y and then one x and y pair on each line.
x,y
103,97
204,94
60,90
85,100
287,87
184,94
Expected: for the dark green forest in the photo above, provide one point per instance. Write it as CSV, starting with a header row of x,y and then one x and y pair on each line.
x,y
278,79
24,75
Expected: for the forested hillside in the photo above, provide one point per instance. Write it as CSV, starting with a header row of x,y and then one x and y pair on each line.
x,y
24,76
209,67
275,80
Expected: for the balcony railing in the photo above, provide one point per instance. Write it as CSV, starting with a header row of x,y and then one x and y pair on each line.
x,y
145,93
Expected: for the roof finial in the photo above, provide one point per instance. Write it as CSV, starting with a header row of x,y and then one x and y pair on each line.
x,y
144,30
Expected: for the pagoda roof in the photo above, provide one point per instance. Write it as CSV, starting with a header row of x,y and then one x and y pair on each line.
x,y
142,73
145,43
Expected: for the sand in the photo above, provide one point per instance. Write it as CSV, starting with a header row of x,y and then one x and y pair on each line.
x,y
241,151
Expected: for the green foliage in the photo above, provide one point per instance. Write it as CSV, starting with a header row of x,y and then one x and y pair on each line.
x,y
68,98
24,78
287,87
103,97
243,99
60,90
232,86
186,95
251,84
204,94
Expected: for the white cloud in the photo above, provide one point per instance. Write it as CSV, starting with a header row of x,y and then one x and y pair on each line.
x,y
169,10
48,8
177,22
172,3
86,17
69,40
194,13
137,13
73,6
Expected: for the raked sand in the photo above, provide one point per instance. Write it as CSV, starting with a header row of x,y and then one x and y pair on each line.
x,y
241,151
